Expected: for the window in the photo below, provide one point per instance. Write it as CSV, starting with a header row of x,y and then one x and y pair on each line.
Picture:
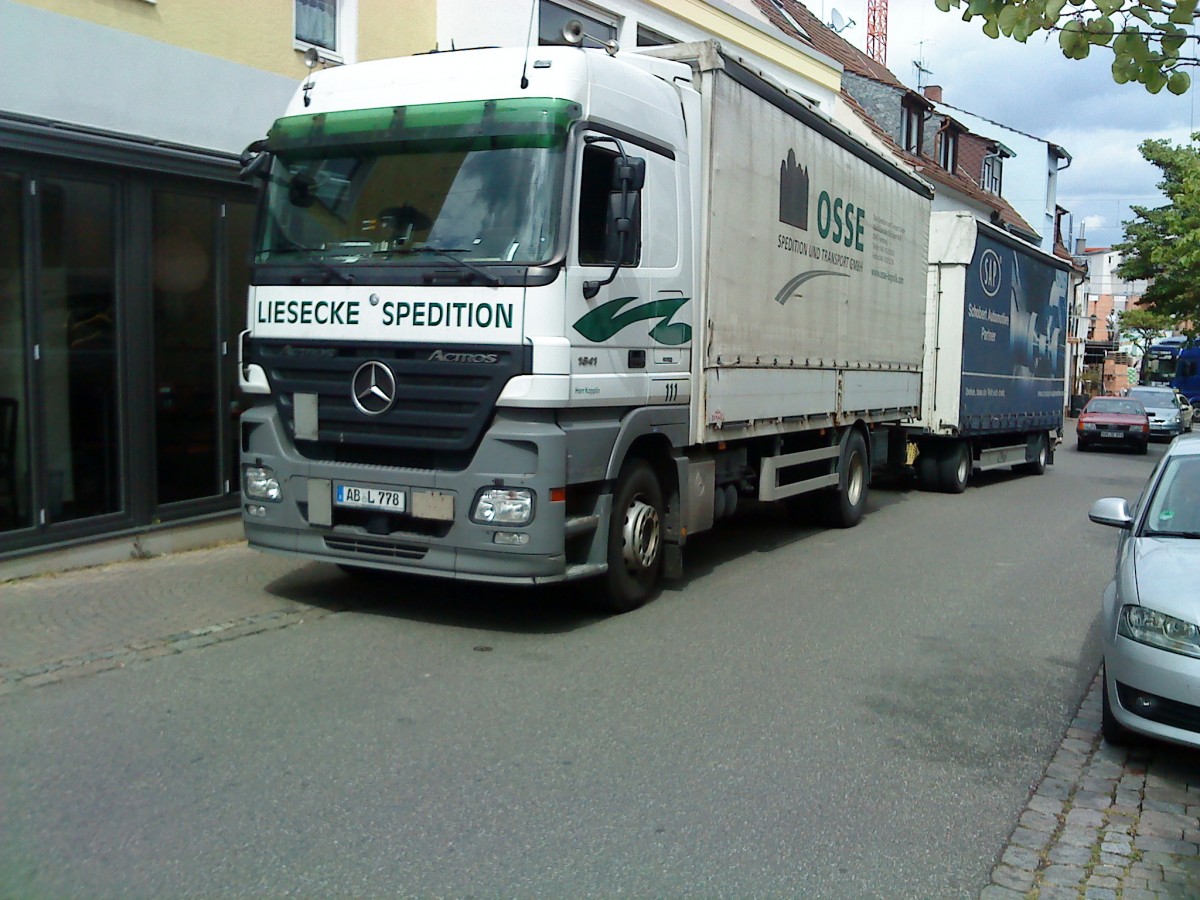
x,y
595,195
648,37
911,128
993,168
552,17
947,151
328,25
316,23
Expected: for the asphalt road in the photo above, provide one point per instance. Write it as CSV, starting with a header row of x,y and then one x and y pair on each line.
x,y
857,713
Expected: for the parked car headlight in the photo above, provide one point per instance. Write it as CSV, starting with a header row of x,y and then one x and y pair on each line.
x,y
1148,626
1087,426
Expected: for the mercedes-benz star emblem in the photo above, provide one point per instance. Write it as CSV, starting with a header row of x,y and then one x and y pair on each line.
x,y
373,388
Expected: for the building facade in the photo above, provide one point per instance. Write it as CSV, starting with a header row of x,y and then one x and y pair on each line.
x,y
127,236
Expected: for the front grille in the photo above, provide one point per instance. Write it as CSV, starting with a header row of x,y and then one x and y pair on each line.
x,y
378,549
1163,711
441,410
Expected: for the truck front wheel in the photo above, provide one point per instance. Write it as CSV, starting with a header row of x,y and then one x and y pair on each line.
x,y
635,538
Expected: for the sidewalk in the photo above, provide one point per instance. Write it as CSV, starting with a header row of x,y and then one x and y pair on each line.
x,y
85,621
1106,823
1102,823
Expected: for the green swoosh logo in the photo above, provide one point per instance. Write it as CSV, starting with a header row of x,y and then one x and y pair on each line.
x,y
607,319
792,287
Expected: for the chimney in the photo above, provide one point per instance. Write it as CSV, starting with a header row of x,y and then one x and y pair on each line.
x,y
933,92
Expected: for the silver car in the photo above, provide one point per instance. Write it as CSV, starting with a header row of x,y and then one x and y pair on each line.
x,y
1169,411
1152,605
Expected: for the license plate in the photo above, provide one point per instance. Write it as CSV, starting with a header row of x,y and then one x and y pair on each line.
x,y
388,499
1112,434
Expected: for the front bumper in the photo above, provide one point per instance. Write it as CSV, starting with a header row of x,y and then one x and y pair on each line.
x,y
452,547
1169,682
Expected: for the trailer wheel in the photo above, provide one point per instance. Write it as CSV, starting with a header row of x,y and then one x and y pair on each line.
x,y
844,505
927,468
1041,453
954,467
635,538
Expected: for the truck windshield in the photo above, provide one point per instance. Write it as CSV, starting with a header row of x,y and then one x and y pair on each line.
x,y
480,182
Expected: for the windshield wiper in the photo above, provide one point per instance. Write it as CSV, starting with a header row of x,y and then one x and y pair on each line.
x,y
448,253
1187,535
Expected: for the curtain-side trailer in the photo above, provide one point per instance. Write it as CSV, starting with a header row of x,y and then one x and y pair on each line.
x,y
995,354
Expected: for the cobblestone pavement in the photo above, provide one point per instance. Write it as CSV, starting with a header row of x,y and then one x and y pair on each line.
x,y
1103,823
1106,822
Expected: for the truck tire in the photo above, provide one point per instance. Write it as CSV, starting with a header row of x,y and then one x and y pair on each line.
x,y
1041,452
635,538
927,468
843,506
954,467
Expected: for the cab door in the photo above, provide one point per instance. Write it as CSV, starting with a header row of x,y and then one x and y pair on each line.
x,y
608,301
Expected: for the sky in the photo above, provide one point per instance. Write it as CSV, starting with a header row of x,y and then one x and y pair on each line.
x,y
1033,88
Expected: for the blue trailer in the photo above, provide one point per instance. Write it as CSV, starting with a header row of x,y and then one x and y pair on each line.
x,y
994,386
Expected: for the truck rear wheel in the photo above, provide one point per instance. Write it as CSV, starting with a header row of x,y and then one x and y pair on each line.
x,y
635,538
844,505
954,467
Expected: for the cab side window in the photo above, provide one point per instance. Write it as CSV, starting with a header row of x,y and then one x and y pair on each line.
x,y
595,190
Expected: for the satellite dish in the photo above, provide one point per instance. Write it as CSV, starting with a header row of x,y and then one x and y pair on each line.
x,y
839,23
312,56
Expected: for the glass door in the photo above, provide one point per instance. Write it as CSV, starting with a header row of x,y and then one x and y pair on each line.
x,y
76,350
185,347
16,502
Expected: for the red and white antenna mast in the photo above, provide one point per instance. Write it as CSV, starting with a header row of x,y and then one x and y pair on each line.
x,y
877,30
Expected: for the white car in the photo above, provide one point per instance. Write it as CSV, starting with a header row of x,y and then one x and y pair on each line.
x,y
1152,605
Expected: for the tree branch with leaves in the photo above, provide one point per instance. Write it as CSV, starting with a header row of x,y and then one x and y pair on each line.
x,y
1149,39
1162,244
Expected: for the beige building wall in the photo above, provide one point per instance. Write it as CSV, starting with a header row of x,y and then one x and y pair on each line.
x,y
255,33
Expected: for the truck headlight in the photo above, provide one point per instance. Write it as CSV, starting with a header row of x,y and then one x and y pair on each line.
x,y
260,483
1147,626
503,506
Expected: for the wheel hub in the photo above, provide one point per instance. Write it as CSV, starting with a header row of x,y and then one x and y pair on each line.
x,y
640,536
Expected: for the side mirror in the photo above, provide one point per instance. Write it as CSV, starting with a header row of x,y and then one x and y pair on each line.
x,y
624,218
629,175
255,161
1112,511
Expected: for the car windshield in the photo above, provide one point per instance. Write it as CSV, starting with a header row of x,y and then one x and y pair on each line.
x,y
1153,397
1117,405
1175,506
406,185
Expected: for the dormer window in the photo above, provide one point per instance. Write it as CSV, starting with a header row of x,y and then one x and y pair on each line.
x,y
947,148
911,127
991,177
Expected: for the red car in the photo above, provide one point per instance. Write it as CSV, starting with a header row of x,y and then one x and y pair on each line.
x,y
1120,421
